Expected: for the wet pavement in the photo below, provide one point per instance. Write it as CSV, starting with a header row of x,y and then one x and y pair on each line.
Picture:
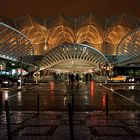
x,y
89,118
96,125
87,97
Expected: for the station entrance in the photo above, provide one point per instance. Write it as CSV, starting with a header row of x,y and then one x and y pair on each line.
x,y
73,61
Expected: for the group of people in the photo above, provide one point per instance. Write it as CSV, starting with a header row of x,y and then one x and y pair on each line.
x,y
77,77
72,77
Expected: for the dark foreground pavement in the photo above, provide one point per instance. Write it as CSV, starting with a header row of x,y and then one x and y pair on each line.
x,y
89,120
119,125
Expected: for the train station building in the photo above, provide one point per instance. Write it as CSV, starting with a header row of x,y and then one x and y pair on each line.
x,y
66,44
67,73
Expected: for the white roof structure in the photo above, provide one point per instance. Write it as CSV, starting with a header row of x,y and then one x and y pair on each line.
x,y
14,45
128,50
73,57
105,36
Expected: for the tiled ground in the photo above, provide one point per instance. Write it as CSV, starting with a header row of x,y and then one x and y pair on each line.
x,y
120,125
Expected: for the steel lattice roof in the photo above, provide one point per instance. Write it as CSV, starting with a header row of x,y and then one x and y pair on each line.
x,y
14,45
73,57
106,35
128,50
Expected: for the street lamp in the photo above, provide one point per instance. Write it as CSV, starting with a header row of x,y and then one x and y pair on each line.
x,y
20,60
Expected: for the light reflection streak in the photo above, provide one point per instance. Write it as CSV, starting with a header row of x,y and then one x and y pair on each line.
x,y
65,100
5,92
132,97
92,88
19,96
19,117
52,85
131,87
103,100
52,92
111,89
92,93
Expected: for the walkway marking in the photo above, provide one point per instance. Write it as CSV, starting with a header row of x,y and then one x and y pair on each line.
x,y
12,96
121,95
21,91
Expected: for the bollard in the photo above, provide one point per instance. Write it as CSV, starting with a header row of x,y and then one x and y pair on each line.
x,y
38,104
106,102
70,121
0,107
72,105
9,133
0,102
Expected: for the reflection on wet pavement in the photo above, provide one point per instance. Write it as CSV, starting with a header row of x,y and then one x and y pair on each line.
x,y
89,119
87,97
87,125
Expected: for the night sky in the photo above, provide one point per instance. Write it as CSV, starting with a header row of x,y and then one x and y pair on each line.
x,y
74,8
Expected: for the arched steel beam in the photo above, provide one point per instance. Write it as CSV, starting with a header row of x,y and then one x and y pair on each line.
x,y
73,53
128,51
12,38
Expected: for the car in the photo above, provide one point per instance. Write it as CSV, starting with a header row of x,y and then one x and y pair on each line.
x,y
118,78
6,81
133,79
1,80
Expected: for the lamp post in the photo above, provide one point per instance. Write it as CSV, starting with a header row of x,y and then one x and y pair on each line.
x,y
20,60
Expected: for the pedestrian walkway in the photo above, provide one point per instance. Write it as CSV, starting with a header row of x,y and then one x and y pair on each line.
x,y
119,125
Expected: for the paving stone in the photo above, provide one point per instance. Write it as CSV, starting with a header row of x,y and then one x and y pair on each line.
x,y
108,131
62,133
81,132
94,122
38,130
74,118
78,122
99,117
30,138
125,116
87,126
41,121
3,132
136,129
78,117
131,122
115,138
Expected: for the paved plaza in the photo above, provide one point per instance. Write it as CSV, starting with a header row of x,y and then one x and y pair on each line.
x,y
86,126
89,118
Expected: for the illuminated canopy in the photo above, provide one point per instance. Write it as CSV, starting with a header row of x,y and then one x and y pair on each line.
x,y
14,45
104,34
73,57
45,34
128,50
